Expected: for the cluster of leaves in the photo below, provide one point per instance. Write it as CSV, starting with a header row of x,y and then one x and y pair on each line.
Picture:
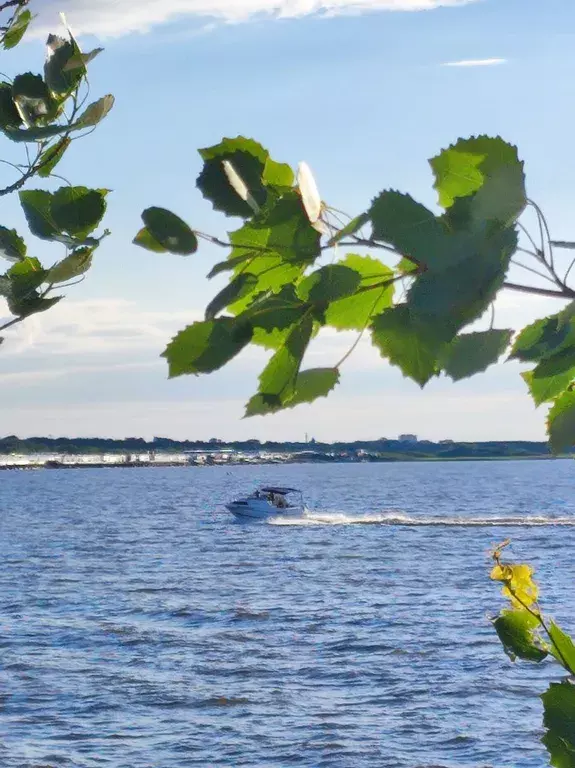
x,y
526,634
450,267
45,113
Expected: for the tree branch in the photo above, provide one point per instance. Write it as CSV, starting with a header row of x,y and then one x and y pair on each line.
x,y
10,323
566,293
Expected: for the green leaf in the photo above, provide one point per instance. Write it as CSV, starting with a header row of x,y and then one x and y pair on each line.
x,y
31,305
229,265
9,115
281,230
277,380
412,229
205,346
561,423
406,267
60,80
502,198
559,721
309,386
240,286
74,265
350,229
563,647
23,298
354,312
275,246
458,295
95,112
487,168
412,346
36,204
30,135
273,339
50,158
545,337
552,376
276,311
516,630
17,29
169,231
330,283
25,276
33,99
79,60
145,240
473,353
272,275
78,210
12,246
248,159
312,384
279,175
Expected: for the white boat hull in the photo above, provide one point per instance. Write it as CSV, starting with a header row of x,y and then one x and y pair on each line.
x,y
256,509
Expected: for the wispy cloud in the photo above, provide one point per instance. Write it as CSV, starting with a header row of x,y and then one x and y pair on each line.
x,y
96,326
111,18
475,63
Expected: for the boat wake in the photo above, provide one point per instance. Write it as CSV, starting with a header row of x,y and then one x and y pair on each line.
x,y
395,518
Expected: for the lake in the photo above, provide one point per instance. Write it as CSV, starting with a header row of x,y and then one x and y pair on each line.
x,y
141,627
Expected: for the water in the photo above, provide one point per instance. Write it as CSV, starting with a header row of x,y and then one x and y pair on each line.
x,y
141,627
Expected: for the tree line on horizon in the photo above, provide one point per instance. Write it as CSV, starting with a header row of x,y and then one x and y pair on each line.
x,y
422,448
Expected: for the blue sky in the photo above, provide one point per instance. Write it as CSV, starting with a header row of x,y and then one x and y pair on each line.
x,y
365,98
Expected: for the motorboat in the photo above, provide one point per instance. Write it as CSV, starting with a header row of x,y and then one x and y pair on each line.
x,y
269,501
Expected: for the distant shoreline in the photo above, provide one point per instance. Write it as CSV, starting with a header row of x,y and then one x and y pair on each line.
x,y
135,452
50,464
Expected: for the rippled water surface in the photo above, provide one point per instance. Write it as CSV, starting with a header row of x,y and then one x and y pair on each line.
x,y
141,627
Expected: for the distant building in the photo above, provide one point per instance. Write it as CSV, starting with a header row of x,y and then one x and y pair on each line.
x,y
408,438
446,442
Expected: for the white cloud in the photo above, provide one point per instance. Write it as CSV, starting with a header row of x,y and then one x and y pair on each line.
x,y
93,327
475,63
112,18
41,376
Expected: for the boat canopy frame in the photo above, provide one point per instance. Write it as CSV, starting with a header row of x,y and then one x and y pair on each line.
x,y
281,491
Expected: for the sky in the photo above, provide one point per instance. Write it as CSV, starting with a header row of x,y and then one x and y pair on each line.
x,y
365,91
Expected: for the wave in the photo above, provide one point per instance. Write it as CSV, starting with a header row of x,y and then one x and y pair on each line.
x,y
398,519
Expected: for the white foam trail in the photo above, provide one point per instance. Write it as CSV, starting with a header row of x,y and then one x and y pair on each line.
x,y
398,519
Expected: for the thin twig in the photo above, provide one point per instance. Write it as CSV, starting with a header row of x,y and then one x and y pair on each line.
x,y
529,253
376,244
544,226
526,232
353,347
13,165
534,271
13,3
383,284
568,271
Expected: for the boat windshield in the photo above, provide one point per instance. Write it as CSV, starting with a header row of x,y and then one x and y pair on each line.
x,y
276,496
